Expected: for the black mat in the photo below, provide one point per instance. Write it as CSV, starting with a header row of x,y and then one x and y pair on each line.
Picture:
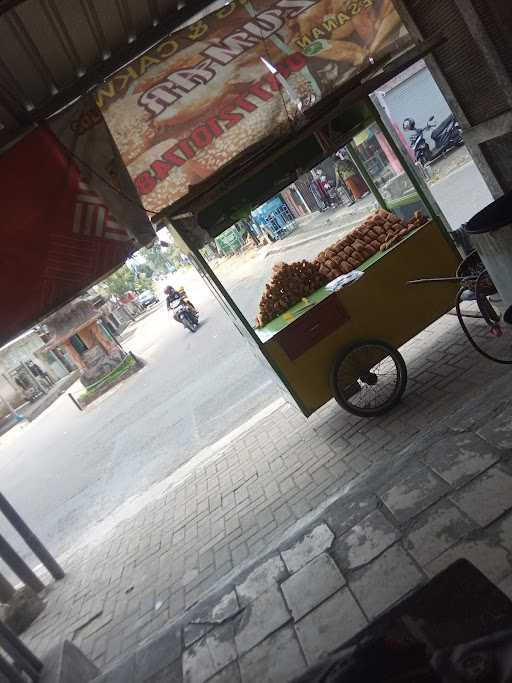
x,y
457,606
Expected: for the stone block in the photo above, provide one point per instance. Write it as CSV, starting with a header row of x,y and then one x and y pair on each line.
x,y
263,616
312,544
169,674
365,541
409,496
435,531
214,611
498,431
209,655
231,674
157,654
459,458
261,579
311,585
504,530
490,558
65,663
277,659
349,510
487,497
383,582
330,625
124,672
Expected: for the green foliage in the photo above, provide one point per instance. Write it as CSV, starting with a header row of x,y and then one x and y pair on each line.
x,y
158,260
162,260
126,280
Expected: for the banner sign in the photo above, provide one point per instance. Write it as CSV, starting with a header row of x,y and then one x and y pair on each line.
x,y
70,216
82,131
208,92
58,233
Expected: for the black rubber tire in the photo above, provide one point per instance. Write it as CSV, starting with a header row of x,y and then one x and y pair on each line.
x,y
397,393
191,325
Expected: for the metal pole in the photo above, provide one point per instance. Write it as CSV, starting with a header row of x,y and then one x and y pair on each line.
x,y
31,539
18,650
19,566
75,401
10,672
6,590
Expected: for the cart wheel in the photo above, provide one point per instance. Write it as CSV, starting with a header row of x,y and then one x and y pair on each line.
x,y
369,378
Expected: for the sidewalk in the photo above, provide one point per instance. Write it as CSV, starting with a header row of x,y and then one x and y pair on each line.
x,y
250,499
448,495
318,224
32,410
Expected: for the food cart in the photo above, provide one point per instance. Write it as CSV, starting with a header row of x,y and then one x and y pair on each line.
x,y
345,344
211,146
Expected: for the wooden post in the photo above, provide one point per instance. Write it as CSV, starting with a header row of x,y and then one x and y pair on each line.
x,y
31,539
19,566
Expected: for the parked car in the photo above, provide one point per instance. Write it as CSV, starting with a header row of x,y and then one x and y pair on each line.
x,y
147,298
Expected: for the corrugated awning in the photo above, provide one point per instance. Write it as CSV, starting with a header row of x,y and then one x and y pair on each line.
x,y
53,51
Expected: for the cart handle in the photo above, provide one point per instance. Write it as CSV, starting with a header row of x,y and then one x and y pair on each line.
x,y
442,279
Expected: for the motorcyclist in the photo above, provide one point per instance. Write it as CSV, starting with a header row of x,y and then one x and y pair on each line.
x,y
172,294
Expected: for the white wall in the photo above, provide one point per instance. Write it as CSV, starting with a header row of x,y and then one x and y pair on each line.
x,y
8,392
26,348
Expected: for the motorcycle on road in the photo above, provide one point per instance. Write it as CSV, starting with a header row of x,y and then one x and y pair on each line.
x,y
185,314
446,136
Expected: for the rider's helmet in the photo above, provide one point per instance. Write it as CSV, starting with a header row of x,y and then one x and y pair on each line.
x,y
169,290
409,124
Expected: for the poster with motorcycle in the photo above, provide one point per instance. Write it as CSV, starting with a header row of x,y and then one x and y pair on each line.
x,y
206,93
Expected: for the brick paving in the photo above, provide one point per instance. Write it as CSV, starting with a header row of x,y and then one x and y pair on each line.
x,y
358,557
249,495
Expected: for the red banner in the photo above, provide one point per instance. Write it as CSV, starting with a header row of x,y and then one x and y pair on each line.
x,y
58,234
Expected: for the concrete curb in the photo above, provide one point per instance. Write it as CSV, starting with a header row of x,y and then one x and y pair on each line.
x,y
318,235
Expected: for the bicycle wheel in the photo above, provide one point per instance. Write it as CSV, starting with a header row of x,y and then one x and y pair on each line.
x,y
368,378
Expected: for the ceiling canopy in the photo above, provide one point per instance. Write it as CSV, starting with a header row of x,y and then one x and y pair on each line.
x,y
54,51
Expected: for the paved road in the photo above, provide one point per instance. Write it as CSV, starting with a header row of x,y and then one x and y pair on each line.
x,y
461,194
68,470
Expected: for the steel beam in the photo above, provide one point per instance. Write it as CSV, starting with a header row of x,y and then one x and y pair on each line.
x,y
19,566
30,539
489,130
19,652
